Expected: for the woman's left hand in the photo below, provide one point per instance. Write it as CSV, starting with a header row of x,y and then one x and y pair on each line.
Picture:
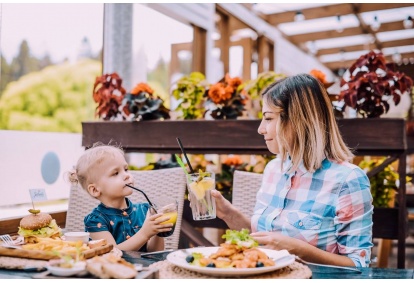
x,y
274,241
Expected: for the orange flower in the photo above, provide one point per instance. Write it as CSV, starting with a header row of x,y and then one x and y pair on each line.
x,y
319,75
233,82
142,87
219,93
233,161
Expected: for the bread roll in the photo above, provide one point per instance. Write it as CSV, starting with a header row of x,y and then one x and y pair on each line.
x,y
119,271
96,243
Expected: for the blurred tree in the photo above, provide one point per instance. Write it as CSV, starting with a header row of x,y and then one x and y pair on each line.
x,y
45,61
21,65
24,63
55,99
160,74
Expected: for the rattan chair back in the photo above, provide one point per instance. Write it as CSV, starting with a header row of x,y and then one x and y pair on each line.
x,y
245,187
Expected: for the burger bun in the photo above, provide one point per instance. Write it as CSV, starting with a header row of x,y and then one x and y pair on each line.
x,y
35,221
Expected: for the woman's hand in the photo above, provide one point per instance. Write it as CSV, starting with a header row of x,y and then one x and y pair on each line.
x,y
304,250
223,206
231,215
275,241
152,225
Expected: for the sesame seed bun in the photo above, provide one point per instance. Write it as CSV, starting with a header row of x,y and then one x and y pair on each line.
x,y
35,221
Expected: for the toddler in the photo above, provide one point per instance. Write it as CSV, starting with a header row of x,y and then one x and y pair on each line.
x,y
103,172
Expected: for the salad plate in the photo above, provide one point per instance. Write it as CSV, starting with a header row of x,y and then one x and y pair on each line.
x,y
281,258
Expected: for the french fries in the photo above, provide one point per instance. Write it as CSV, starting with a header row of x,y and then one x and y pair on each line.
x,y
57,246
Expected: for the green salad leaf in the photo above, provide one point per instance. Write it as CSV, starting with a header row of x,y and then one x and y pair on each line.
x,y
197,257
47,231
240,238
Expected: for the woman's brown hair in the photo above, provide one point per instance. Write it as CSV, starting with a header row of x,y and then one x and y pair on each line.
x,y
308,130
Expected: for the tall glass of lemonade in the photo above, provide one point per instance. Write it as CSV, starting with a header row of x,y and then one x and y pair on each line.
x,y
203,205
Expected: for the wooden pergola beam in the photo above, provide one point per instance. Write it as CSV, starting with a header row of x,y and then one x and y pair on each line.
x,y
369,7
331,11
352,48
347,63
395,43
365,29
301,38
368,46
310,13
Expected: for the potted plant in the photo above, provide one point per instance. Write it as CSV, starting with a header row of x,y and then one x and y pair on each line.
x,y
227,98
370,82
254,89
108,93
384,184
189,92
142,104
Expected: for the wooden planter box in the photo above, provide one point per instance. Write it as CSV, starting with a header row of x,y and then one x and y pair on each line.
x,y
367,136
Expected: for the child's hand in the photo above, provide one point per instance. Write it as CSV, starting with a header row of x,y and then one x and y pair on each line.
x,y
152,225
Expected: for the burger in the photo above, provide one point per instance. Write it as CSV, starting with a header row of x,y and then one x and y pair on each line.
x,y
38,225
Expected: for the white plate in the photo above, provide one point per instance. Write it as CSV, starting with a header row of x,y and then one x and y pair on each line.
x,y
62,271
282,258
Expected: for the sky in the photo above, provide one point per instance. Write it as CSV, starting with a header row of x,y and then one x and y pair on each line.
x,y
54,28
59,29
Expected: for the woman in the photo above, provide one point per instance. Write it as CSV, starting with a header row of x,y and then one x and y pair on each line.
x,y
312,201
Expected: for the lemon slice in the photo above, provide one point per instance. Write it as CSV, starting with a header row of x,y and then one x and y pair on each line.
x,y
197,190
206,184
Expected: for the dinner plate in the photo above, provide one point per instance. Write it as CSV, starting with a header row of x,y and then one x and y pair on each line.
x,y
282,258
62,271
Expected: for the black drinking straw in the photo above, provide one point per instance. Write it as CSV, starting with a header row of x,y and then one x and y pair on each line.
x,y
185,155
150,203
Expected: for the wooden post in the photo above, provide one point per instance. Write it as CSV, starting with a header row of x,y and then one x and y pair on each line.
x,y
263,53
199,49
224,41
175,62
247,58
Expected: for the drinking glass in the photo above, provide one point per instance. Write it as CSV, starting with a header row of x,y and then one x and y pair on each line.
x,y
169,207
203,205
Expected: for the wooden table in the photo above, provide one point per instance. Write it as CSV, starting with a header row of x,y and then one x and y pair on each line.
x,y
317,272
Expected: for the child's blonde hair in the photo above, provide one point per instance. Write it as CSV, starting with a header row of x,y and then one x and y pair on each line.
x,y
81,173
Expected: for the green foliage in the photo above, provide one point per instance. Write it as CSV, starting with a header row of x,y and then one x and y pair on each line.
x,y
255,87
55,99
189,93
383,184
161,91
145,106
160,164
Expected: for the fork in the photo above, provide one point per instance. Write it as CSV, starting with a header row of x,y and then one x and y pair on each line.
x,y
327,265
8,242
7,239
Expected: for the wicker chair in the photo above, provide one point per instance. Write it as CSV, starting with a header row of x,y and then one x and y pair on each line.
x,y
245,187
155,183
